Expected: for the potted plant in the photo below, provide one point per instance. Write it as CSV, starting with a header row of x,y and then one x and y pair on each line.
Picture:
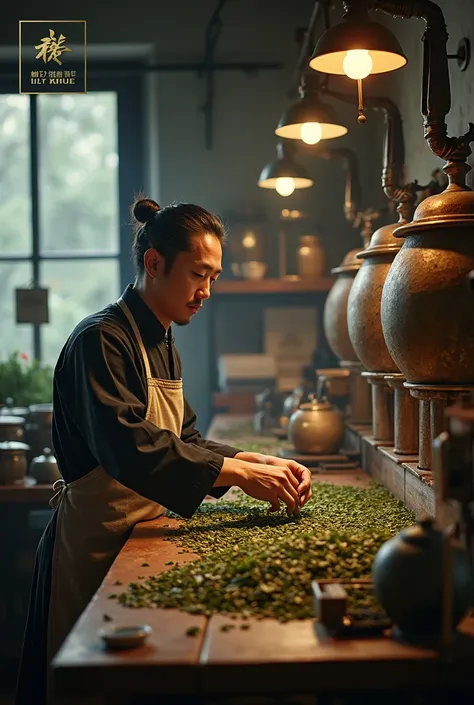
x,y
25,381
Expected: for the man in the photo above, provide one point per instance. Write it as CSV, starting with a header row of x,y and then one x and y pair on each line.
x,y
124,435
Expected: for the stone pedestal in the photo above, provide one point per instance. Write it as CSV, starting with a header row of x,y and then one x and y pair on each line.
x,y
406,416
360,395
433,401
382,406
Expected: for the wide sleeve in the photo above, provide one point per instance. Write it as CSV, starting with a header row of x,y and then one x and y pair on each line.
x,y
190,434
110,408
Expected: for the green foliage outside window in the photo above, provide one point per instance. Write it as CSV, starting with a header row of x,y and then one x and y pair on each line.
x,y
25,381
78,212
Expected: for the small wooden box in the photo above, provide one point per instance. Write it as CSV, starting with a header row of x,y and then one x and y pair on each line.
x,y
330,603
332,610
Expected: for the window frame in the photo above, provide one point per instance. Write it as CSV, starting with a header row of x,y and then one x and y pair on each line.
x,y
131,169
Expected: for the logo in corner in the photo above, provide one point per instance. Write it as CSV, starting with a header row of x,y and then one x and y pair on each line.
x,y
56,63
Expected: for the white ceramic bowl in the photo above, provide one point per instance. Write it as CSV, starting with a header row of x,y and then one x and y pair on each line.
x,y
124,636
253,270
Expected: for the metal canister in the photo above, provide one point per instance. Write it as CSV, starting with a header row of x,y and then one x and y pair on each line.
x,y
13,462
12,428
38,428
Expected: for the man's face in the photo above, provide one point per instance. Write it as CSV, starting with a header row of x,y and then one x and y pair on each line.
x,y
185,287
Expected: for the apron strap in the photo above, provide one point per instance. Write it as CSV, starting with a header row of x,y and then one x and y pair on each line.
x,y
131,320
170,353
59,488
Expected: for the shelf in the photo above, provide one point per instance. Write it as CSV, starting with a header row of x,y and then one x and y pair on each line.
x,y
271,286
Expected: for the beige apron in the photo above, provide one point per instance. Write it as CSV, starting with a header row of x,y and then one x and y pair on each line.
x,y
96,515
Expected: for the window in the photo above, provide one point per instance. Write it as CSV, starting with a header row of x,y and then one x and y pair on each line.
x,y
64,199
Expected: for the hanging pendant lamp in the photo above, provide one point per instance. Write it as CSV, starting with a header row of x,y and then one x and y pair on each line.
x,y
285,174
310,119
357,47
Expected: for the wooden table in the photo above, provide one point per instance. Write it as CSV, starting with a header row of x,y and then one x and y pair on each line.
x,y
37,495
268,658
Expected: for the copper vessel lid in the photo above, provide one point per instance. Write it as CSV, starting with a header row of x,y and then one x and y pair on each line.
x,y
13,447
316,405
332,373
453,207
382,242
11,421
41,408
46,458
350,263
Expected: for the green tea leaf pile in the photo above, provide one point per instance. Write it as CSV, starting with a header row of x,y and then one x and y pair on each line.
x,y
258,564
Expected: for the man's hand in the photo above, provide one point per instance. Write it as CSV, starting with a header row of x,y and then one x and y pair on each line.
x,y
267,482
301,472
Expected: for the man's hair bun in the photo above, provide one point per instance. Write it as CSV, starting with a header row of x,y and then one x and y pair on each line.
x,y
144,210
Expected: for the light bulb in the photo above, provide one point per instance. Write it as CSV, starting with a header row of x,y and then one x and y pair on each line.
x,y
357,64
285,185
311,132
249,240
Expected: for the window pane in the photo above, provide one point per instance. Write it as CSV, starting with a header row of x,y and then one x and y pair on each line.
x,y
15,203
14,337
78,172
75,290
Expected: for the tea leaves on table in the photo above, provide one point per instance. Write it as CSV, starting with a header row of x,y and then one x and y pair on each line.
x,y
253,563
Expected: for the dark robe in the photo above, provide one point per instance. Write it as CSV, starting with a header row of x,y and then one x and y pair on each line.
x,y
99,408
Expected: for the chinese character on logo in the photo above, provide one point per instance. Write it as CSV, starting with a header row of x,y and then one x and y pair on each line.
x,y
51,48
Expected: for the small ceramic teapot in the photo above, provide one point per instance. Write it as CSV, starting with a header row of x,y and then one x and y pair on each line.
x,y
44,468
316,427
408,581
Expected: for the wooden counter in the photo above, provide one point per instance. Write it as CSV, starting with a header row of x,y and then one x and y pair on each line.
x,y
26,494
269,657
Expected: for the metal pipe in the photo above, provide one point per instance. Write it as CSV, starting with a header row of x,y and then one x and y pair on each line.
x,y
393,153
304,51
352,190
436,91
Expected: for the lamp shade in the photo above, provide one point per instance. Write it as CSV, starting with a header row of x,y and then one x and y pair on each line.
x,y
310,110
285,167
355,34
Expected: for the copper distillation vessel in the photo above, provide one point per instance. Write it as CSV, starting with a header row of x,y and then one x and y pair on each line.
x,y
335,309
453,469
394,416
427,320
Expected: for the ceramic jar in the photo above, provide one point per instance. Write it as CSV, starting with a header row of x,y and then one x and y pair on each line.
x,y
13,462
44,468
11,428
310,257
409,573
38,428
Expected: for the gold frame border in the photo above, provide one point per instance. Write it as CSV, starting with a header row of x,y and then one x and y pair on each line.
x,y
20,22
